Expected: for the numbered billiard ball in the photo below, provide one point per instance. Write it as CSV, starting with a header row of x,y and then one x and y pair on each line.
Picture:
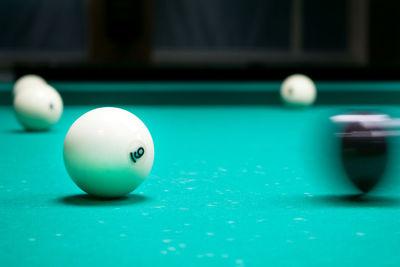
x,y
28,81
298,91
38,108
364,150
108,152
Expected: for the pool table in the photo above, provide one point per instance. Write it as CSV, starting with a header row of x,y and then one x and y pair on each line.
x,y
238,180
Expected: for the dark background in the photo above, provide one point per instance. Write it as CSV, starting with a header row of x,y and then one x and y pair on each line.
x,y
199,39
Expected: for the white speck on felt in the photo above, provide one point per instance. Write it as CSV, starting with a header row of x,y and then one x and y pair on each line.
x,y
210,234
167,241
299,219
171,248
166,190
145,213
58,235
32,239
312,237
100,221
239,261
260,220
360,234
230,222
186,224
211,205
222,170
266,184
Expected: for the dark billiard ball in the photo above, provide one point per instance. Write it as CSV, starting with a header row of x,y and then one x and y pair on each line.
x,y
364,152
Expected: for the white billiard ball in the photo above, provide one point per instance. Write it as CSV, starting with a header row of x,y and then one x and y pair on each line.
x,y
38,108
108,152
27,81
298,91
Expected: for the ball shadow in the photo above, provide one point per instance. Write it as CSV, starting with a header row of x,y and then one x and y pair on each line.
x,y
22,131
356,200
87,200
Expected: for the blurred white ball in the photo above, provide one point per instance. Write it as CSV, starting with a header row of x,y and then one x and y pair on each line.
x,y
298,90
38,108
27,81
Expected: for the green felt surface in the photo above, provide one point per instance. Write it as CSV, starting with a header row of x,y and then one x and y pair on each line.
x,y
230,186
90,86
213,93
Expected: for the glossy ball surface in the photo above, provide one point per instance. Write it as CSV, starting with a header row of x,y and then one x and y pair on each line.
x,y
38,108
298,91
108,152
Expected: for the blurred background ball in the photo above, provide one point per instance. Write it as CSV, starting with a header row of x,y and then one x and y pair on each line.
x,y
38,108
